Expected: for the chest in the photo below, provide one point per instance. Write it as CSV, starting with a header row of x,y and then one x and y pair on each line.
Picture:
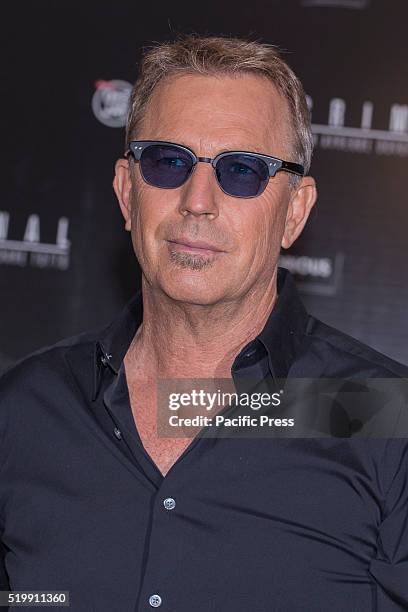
x,y
163,451
250,516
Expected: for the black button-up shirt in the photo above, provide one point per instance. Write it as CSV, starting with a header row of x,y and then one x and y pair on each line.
x,y
236,525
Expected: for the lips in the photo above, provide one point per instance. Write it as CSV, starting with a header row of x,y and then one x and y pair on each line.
x,y
195,245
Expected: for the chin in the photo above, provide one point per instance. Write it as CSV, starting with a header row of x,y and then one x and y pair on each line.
x,y
191,290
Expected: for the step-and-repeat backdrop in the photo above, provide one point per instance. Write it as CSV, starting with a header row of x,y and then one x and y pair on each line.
x,y
66,262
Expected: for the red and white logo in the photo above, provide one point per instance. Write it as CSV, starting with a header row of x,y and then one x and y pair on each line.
x,y
110,102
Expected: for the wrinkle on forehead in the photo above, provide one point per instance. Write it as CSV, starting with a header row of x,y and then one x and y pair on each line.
x,y
212,114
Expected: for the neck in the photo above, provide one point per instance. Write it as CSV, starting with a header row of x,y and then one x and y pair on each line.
x,y
177,340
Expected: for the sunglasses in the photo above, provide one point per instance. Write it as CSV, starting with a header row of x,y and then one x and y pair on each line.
x,y
240,174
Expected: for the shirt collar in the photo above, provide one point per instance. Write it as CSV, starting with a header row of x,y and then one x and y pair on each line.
x,y
286,326
280,338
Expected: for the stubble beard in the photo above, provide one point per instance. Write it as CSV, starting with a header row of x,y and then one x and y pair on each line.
x,y
192,262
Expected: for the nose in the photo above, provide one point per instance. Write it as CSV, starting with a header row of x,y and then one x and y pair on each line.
x,y
200,194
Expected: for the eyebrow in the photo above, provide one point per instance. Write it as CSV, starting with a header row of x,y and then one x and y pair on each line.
x,y
249,149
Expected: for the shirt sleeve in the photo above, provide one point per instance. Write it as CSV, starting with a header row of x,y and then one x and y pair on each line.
x,y
390,567
4,581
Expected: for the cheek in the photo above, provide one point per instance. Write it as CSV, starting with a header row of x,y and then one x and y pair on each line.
x,y
148,210
143,225
258,230
153,212
274,216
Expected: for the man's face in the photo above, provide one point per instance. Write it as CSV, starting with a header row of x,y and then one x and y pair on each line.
x,y
211,115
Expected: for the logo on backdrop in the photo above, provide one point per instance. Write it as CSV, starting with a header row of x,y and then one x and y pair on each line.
x,y
110,102
30,251
315,275
391,139
353,4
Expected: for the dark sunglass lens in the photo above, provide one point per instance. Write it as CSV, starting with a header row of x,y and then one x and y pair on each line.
x,y
165,166
242,176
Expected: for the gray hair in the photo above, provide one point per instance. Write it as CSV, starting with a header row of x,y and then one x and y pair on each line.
x,y
213,55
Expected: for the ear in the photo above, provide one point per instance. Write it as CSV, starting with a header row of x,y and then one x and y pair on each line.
x,y
122,185
300,205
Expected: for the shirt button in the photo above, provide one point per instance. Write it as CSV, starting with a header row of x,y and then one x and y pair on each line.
x,y
250,352
155,601
169,503
117,433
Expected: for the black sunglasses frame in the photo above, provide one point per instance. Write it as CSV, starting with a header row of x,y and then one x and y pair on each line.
x,y
274,164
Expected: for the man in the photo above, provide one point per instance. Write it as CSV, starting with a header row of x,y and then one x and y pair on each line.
x,y
93,500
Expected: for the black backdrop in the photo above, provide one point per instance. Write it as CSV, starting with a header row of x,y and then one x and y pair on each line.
x,y
66,263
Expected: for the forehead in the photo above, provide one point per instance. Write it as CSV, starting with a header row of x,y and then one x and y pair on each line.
x,y
218,112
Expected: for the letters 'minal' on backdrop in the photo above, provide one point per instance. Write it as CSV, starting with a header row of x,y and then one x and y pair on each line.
x,y
66,263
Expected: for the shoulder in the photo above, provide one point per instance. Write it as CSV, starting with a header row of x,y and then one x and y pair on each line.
x,y
39,378
45,360
38,386
350,356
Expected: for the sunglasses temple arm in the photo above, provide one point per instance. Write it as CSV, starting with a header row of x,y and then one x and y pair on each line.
x,y
128,154
292,168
